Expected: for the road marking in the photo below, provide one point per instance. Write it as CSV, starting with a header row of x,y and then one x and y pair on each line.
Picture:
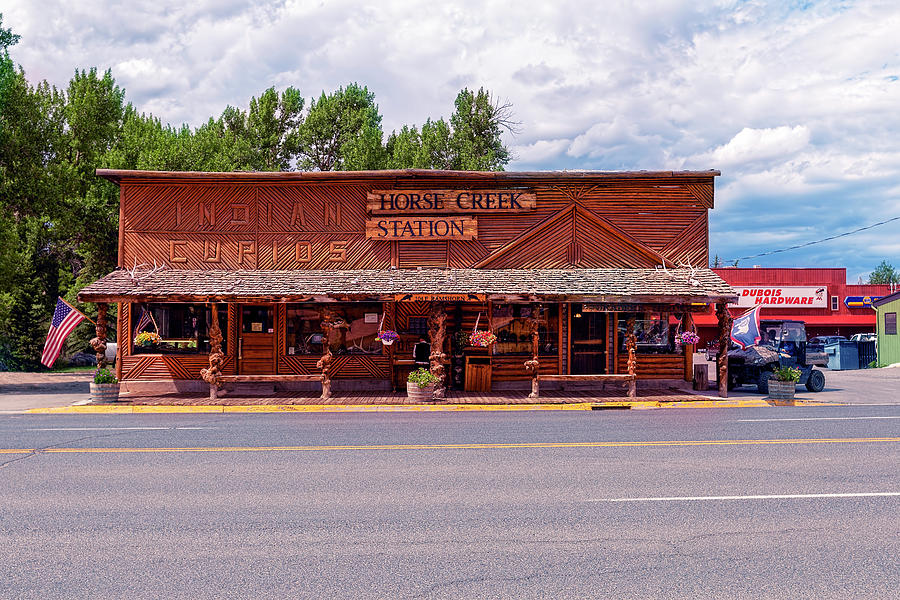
x,y
472,446
110,428
754,497
812,419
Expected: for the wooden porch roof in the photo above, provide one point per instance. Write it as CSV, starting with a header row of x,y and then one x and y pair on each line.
x,y
679,286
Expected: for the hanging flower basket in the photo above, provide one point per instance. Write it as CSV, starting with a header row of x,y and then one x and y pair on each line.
x,y
482,339
387,337
146,339
687,338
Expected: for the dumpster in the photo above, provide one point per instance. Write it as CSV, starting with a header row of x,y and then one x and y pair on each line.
x,y
867,353
842,355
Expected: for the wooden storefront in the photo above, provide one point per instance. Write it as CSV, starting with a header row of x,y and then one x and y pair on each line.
x,y
565,268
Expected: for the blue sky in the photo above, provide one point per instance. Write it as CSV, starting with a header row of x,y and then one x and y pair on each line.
x,y
796,103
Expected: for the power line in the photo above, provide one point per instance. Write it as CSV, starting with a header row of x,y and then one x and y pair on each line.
x,y
833,237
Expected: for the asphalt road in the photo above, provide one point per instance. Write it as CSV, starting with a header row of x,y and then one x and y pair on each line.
x,y
497,505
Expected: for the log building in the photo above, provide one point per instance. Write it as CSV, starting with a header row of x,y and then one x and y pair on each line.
x,y
288,277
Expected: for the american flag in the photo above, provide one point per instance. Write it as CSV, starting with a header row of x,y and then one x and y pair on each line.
x,y
65,318
143,321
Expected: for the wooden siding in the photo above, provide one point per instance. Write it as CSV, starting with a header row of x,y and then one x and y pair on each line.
x,y
655,366
168,366
348,366
512,368
888,345
197,223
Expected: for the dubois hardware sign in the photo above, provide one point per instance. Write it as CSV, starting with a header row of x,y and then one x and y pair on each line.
x,y
412,215
784,297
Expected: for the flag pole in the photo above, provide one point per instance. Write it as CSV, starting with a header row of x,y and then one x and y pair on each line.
x,y
78,311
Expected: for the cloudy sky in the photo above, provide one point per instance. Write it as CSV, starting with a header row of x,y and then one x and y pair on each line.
x,y
797,103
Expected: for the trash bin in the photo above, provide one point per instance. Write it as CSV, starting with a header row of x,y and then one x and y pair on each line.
x,y
842,355
867,353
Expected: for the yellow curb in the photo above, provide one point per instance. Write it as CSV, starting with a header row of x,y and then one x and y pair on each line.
x,y
147,408
109,409
340,408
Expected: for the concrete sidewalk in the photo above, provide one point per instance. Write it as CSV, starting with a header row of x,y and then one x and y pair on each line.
x,y
20,392
860,386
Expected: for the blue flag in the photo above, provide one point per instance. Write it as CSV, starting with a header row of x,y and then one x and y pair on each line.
x,y
745,329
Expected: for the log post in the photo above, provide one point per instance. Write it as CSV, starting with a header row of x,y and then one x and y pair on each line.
x,y
533,366
437,334
724,340
213,375
98,343
324,363
688,325
631,344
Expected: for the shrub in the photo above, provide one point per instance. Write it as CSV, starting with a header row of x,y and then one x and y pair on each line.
x,y
422,377
787,374
104,376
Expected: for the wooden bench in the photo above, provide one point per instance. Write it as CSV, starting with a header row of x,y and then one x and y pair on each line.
x,y
613,377
213,391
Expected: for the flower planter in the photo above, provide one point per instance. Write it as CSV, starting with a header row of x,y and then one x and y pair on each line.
x,y
781,390
104,393
387,342
415,394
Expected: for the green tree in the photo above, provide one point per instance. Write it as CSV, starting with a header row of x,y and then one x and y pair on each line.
x,y
471,141
31,129
404,149
884,273
342,131
269,132
7,37
478,124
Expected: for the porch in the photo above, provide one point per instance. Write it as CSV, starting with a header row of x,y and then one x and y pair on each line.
x,y
398,398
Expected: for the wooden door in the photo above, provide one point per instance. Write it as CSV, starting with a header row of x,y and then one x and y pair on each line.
x,y
588,342
256,341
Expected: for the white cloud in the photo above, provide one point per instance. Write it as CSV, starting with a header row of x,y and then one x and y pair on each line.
x,y
794,102
753,145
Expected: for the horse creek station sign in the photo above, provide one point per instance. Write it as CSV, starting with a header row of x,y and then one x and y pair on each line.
x,y
412,212
288,279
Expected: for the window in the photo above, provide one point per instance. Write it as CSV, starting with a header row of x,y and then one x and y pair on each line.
x,y
257,319
513,330
354,332
417,326
178,328
890,323
834,303
651,331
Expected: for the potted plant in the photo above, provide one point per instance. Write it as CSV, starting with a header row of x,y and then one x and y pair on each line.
x,y
420,385
104,387
783,383
387,337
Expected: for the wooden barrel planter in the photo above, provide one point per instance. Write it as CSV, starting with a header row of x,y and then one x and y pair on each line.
x,y
104,393
416,395
781,390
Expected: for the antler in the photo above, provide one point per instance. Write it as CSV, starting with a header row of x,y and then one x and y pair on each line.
x,y
138,273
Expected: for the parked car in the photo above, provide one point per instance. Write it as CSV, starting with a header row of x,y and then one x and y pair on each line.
x,y
863,337
821,340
